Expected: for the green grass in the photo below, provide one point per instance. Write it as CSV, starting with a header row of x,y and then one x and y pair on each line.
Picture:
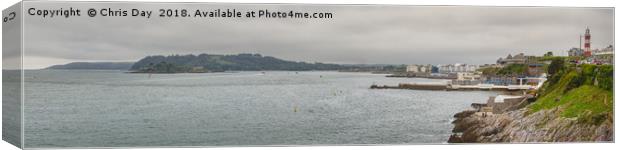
x,y
548,100
576,94
512,69
577,102
548,58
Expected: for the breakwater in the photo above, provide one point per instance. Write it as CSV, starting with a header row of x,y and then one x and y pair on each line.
x,y
450,87
412,86
420,76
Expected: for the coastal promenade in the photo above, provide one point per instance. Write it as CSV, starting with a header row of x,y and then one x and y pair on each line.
x,y
449,87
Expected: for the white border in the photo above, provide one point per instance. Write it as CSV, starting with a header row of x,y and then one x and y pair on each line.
x,y
562,3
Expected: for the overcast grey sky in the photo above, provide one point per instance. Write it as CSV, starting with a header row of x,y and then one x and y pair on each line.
x,y
369,34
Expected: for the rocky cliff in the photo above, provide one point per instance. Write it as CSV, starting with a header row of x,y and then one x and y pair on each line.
x,y
574,105
517,127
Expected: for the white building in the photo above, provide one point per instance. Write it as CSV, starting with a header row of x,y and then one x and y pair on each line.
x,y
608,50
575,52
419,68
455,68
412,68
467,76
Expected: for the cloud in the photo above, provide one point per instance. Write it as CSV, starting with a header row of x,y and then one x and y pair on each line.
x,y
384,34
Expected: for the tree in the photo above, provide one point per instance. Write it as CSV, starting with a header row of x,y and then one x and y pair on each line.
x,y
555,66
548,54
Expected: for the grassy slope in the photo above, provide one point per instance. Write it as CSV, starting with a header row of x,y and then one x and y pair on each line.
x,y
585,100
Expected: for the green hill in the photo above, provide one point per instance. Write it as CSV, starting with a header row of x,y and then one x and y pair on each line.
x,y
581,91
218,63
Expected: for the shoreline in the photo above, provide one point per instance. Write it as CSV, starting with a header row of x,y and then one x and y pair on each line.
x,y
517,125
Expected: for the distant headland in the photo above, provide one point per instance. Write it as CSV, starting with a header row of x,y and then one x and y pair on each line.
x,y
218,63
205,63
94,66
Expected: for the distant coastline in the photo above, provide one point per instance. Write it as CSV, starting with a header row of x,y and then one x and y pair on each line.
x,y
94,66
209,63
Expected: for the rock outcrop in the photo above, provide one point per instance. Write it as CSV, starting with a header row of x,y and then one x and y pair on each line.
x,y
517,127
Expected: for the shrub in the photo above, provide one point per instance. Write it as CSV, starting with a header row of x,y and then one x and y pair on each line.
x,y
605,77
557,64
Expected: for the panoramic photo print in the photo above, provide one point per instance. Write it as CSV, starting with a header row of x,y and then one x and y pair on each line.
x,y
129,74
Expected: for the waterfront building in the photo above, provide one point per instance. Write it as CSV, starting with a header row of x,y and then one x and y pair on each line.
x,y
603,56
425,69
455,68
500,80
419,68
467,78
517,59
412,68
434,69
575,52
607,50
489,66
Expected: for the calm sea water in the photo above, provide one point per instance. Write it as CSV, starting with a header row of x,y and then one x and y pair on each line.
x,y
82,108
